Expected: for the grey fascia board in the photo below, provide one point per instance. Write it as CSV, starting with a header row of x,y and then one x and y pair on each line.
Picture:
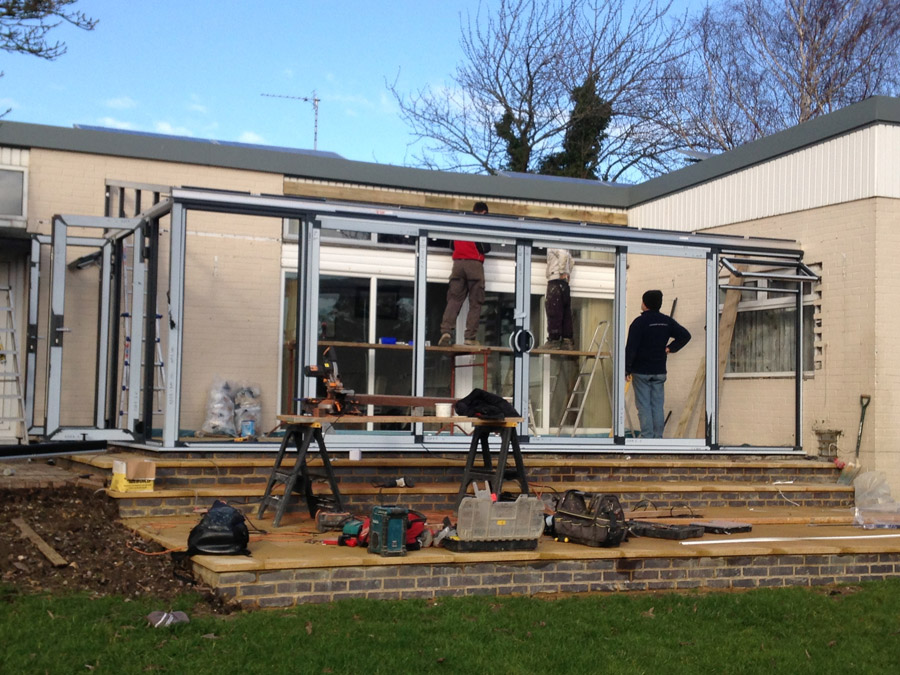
x,y
875,110
201,152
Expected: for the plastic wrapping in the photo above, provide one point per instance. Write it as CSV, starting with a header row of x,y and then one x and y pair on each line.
x,y
228,406
247,408
219,410
875,507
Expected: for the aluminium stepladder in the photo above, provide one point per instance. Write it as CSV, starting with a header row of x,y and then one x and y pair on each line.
x,y
11,388
159,385
587,370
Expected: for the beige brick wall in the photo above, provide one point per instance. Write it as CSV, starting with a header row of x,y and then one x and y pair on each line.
x,y
857,244
684,280
233,279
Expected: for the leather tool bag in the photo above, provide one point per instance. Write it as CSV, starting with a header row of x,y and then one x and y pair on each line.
x,y
590,519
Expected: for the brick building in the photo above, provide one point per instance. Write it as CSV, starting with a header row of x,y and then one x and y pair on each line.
x,y
829,188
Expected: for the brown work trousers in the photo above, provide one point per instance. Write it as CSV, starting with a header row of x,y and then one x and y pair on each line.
x,y
466,280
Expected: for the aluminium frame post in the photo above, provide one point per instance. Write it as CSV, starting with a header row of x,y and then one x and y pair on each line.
x,y
619,296
420,296
307,305
56,328
150,337
521,361
711,425
136,338
177,243
101,386
798,376
112,367
31,343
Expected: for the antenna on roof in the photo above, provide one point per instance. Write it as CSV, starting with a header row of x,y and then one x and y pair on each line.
x,y
315,103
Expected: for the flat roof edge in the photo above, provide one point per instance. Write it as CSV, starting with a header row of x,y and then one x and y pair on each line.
x,y
872,111
298,165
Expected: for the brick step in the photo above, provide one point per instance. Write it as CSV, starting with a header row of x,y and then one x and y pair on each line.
x,y
441,496
249,471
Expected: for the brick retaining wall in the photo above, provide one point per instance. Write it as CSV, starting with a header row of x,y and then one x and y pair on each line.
x,y
284,588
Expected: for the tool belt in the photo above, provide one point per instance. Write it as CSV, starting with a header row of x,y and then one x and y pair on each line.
x,y
590,519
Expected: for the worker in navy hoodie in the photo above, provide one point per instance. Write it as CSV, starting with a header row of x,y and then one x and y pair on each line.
x,y
651,337
466,280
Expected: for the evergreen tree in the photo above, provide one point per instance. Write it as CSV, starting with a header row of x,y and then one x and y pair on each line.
x,y
584,136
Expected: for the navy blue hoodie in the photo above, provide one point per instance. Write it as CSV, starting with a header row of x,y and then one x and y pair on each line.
x,y
648,337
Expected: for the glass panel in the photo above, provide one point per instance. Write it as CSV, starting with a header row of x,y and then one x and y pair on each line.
x,y
681,412
394,313
289,346
585,365
456,368
232,308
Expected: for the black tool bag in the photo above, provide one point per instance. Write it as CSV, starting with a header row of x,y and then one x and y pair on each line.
x,y
484,404
222,531
590,519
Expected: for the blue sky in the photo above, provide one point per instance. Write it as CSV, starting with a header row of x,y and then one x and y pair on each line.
x,y
199,68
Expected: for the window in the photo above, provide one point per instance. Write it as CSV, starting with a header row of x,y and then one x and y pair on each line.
x,y
12,193
765,330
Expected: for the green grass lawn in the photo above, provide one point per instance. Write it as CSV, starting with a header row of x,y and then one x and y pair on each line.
x,y
829,630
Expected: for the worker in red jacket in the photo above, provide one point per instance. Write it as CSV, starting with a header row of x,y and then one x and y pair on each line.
x,y
466,280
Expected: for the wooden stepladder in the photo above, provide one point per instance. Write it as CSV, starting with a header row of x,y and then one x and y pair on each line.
x,y
587,370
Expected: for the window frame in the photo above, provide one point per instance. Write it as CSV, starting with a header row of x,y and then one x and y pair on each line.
x,y
766,300
17,217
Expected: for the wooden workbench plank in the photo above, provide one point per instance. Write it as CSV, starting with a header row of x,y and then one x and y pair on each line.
x,y
45,548
394,419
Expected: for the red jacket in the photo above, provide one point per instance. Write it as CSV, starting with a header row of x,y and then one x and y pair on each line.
x,y
467,250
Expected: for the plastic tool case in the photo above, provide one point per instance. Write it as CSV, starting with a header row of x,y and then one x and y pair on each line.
x,y
485,525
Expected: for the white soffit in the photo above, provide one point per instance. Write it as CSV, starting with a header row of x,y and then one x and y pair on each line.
x,y
858,165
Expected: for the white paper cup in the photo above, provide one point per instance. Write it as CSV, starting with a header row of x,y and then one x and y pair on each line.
x,y
443,410
355,455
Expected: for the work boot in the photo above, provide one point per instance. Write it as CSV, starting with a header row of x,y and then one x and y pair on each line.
x,y
552,344
446,340
568,344
471,342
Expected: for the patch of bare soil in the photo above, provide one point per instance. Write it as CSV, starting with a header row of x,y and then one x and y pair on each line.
x,y
104,557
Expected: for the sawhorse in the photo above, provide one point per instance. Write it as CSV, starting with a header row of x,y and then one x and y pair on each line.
x,y
509,439
300,433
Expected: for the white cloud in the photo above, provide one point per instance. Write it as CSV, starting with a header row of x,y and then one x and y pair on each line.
x,y
113,123
196,105
121,103
166,128
251,137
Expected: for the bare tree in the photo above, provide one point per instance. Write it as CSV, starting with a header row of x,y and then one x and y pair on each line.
x,y
760,66
508,105
25,25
